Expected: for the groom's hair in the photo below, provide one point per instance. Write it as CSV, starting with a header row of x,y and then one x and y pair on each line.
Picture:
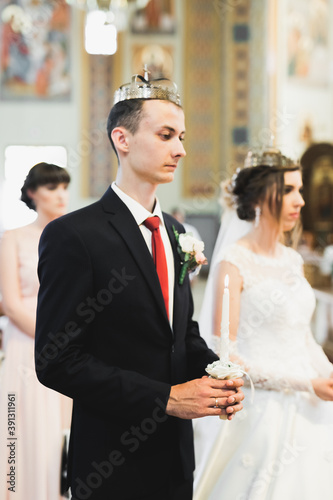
x,y
125,114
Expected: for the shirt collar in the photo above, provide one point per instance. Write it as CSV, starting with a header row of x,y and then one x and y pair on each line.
x,y
139,212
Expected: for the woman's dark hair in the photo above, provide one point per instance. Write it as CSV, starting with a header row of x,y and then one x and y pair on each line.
x,y
40,175
254,185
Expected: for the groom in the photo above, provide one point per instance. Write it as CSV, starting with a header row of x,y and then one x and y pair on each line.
x,y
116,334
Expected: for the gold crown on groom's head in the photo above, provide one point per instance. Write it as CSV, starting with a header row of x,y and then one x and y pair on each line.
x,y
141,87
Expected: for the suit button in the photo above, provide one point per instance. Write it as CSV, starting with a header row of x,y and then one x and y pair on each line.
x,y
172,348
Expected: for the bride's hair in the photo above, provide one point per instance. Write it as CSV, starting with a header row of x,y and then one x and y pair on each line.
x,y
254,185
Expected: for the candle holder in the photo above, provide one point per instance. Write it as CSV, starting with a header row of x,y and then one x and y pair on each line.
x,y
224,370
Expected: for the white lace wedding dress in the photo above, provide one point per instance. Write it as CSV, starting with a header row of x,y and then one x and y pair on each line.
x,y
281,445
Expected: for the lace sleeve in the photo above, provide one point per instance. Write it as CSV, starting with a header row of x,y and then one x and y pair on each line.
x,y
263,378
319,360
234,255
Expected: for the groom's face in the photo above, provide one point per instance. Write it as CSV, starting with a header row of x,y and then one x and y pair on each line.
x,y
155,149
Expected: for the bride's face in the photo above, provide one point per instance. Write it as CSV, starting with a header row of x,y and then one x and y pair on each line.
x,y
292,199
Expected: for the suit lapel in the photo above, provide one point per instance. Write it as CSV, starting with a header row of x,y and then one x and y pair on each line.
x,y
176,258
172,238
121,219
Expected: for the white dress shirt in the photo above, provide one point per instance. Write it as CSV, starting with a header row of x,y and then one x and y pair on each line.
x,y
140,214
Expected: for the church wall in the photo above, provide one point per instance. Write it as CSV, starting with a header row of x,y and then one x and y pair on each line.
x,y
40,123
236,52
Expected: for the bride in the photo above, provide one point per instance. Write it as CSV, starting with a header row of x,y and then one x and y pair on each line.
x,y
281,445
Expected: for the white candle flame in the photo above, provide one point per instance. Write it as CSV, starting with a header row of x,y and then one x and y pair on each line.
x,y
226,281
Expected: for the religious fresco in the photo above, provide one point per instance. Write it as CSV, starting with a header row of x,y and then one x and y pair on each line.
x,y
317,214
308,56
157,17
321,193
34,50
158,58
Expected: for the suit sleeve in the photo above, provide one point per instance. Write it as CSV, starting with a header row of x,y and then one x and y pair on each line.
x,y
62,357
198,353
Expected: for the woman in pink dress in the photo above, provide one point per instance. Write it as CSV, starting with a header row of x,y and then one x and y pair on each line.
x,y
32,417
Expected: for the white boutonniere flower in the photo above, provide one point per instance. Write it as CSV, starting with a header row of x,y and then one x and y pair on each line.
x,y
190,251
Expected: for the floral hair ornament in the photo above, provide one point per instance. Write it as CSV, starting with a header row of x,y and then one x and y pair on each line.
x,y
141,87
190,251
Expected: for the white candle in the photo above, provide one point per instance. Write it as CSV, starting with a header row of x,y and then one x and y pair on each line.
x,y
224,346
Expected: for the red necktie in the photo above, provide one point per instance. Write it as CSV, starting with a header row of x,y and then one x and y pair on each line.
x,y
153,224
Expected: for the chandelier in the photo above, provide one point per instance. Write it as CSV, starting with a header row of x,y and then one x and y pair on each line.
x,y
117,12
104,18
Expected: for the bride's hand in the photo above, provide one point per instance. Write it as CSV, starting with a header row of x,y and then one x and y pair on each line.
x,y
323,388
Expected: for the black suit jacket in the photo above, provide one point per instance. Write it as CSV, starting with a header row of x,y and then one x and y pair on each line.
x,y
103,338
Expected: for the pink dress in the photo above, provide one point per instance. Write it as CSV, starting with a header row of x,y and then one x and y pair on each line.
x,y
32,417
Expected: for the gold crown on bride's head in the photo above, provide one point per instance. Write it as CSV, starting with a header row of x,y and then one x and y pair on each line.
x,y
141,87
267,157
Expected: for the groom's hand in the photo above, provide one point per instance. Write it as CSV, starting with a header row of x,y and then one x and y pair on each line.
x,y
205,396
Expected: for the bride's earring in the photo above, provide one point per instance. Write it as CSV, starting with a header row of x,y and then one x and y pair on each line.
x,y
257,216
